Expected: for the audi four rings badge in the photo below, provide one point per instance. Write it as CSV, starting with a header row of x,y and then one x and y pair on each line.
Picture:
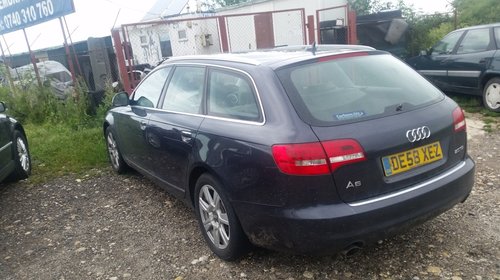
x,y
418,134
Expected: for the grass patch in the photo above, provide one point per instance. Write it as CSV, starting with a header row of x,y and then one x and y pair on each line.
x,y
58,150
64,136
472,104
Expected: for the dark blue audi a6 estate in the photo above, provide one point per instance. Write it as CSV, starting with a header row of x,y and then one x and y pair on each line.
x,y
307,150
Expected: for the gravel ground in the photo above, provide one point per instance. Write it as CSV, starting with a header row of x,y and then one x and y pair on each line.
x,y
107,226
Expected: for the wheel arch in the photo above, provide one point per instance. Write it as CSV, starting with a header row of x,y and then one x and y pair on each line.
x,y
488,76
105,126
108,121
20,128
195,174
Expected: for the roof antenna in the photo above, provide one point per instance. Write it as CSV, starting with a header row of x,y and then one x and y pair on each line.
x,y
314,48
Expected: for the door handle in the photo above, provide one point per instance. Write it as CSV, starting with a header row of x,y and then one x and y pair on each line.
x,y
144,124
446,61
186,136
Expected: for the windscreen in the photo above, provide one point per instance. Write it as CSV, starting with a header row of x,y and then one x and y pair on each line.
x,y
336,90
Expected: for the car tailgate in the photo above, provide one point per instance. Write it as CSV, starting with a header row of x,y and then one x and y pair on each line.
x,y
389,139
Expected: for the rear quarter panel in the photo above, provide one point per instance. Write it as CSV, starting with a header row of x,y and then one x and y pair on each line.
x,y
240,154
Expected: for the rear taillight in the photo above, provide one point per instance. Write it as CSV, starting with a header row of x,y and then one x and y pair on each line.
x,y
459,120
301,159
342,152
317,158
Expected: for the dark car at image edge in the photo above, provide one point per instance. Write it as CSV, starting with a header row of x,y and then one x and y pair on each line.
x,y
311,150
15,160
465,61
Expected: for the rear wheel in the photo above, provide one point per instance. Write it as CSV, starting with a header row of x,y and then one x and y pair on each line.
x,y
491,95
22,158
217,220
115,157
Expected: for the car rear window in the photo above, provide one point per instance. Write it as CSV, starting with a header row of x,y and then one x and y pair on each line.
x,y
333,90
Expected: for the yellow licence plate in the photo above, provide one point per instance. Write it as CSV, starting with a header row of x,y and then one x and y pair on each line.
x,y
401,162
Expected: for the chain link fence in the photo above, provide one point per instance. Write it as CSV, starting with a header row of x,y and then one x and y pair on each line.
x,y
145,45
333,25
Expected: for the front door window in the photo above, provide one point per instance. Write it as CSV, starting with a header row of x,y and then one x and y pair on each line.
x,y
447,44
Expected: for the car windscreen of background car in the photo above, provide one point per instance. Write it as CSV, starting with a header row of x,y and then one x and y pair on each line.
x,y
334,90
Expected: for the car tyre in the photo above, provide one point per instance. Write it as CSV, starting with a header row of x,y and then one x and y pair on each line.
x,y
21,156
217,220
491,95
115,156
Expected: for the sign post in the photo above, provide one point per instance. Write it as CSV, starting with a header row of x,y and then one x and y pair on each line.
x,y
68,54
33,61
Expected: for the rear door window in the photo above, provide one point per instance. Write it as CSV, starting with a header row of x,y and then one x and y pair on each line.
x,y
231,95
351,89
477,40
185,90
497,36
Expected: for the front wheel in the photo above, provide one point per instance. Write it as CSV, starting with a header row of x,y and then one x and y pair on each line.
x,y
217,220
491,95
115,157
22,158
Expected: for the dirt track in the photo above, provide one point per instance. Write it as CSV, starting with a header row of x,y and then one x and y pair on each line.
x,y
123,227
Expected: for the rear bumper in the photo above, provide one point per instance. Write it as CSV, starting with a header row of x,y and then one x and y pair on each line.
x,y
320,229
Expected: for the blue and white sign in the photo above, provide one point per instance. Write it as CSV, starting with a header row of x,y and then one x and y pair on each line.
x,y
19,14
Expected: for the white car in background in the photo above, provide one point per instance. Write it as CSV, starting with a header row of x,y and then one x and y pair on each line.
x,y
52,73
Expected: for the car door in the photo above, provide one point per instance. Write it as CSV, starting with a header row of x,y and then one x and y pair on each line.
x,y
434,66
172,130
472,57
131,122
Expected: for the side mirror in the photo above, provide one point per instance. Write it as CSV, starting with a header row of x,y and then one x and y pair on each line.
x,y
2,107
120,99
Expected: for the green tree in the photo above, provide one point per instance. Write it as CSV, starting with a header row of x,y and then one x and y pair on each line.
x,y
474,12
211,5
362,7
425,30
225,3
365,7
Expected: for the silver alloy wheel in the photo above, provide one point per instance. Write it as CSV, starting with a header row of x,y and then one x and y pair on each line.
x,y
214,217
113,151
22,152
492,96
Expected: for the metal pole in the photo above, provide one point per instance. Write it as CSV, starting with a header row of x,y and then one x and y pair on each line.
x,y
32,56
73,47
120,58
7,70
10,55
68,54
128,56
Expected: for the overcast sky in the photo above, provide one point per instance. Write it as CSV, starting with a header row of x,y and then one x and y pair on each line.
x,y
95,18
